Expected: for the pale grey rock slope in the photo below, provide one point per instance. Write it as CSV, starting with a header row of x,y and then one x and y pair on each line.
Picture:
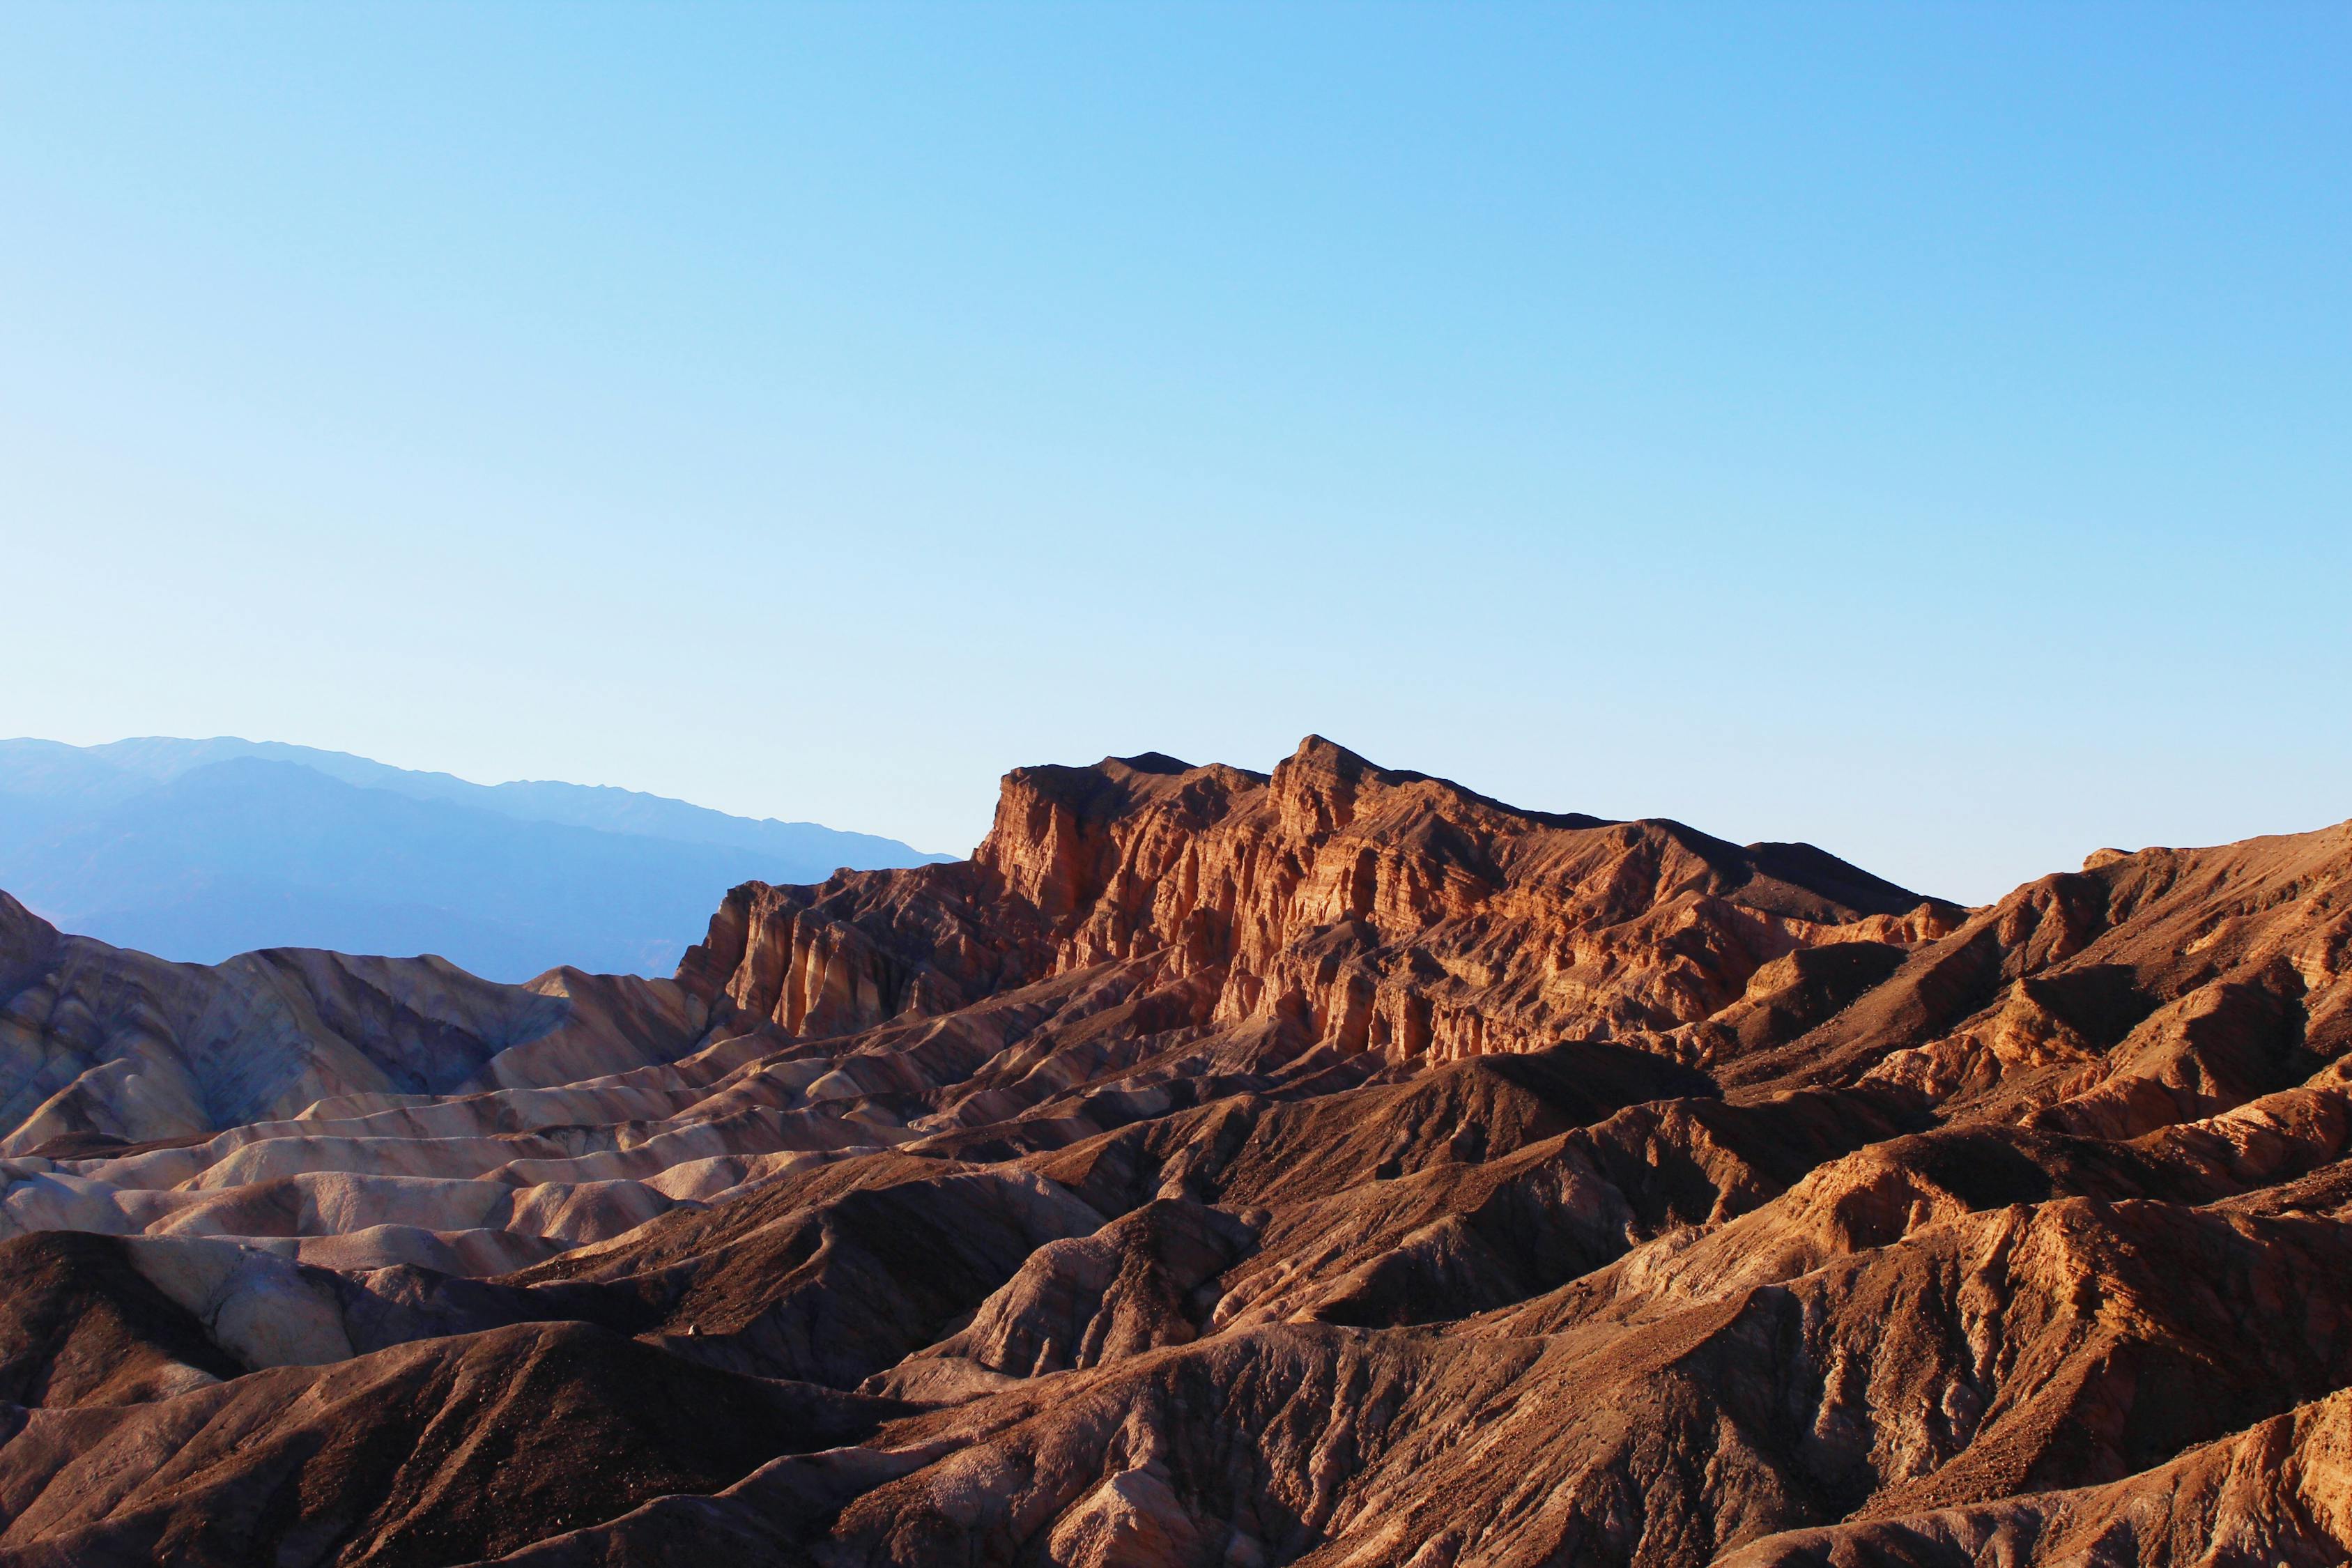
x,y
1225,1170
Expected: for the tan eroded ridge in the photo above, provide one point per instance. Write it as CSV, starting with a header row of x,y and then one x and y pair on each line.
x,y
1332,1167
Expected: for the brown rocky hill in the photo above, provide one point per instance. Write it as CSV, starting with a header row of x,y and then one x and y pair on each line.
x,y
1332,1167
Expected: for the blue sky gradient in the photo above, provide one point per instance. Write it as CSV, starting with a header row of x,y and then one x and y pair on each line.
x,y
1926,431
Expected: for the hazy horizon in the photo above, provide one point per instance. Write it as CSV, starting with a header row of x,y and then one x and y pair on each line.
x,y
196,850
964,851
1922,433
274,741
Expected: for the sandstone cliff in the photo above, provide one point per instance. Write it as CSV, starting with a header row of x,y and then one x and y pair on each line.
x,y
1330,904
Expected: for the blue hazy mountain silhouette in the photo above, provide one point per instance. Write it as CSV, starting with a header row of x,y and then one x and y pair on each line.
x,y
196,850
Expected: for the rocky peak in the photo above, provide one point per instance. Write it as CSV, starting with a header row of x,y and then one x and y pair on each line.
x,y
1332,902
1123,1175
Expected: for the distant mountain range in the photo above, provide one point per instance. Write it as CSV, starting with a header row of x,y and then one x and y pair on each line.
x,y
1220,1169
196,850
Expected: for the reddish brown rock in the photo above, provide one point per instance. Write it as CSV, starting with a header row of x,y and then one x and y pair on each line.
x,y
1329,1167
1338,903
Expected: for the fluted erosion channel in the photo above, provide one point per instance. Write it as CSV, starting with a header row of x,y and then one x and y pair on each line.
x,y
1331,1167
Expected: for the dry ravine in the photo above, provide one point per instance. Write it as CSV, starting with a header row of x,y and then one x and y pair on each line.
x,y
1331,1167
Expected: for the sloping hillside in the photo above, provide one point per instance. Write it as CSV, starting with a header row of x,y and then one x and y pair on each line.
x,y
1331,1167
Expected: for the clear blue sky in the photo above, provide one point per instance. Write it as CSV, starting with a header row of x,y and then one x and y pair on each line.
x,y
1927,431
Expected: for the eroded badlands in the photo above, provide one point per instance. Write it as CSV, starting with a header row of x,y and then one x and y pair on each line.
x,y
1332,1167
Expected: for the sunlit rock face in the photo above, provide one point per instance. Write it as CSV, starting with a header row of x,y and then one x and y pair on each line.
x,y
1331,905
1326,1167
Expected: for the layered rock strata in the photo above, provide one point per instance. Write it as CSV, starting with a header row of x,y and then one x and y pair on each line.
x,y
1328,1166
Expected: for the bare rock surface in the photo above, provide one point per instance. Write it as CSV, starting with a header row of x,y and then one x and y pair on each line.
x,y
1331,1166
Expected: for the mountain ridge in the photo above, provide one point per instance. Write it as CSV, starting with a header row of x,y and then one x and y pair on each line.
x,y
163,758
1325,1166
202,849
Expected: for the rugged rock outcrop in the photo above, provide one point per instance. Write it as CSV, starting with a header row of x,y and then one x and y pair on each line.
x,y
1328,1166
1331,903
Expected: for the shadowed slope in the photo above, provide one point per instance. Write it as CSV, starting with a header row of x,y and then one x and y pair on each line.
x,y
431,1453
1331,1167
